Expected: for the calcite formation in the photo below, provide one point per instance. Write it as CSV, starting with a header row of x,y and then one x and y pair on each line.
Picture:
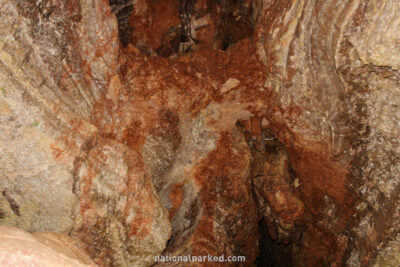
x,y
265,129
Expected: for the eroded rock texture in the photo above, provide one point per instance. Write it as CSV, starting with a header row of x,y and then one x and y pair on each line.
x,y
332,112
58,174
148,128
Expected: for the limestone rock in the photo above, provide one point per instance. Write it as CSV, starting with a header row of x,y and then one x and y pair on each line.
x,y
19,248
43,123
57,59
330,111
120,219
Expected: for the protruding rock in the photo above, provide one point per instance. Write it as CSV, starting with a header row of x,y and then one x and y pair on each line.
x,y
19,248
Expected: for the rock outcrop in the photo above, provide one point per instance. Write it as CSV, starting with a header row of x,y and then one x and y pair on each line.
x,y
19,248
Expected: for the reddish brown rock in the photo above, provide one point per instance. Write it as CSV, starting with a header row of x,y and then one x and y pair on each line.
x,y
216,215
167,27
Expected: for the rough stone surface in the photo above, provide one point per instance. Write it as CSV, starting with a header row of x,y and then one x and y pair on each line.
x,y
120,218
56,59
19,248
131,123
330,84
277,191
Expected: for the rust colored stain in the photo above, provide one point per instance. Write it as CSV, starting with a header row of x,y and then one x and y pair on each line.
x,y
152,24
320,176
253,127
286,205
140,226
176,198
77,125
56,151
85,199
132,135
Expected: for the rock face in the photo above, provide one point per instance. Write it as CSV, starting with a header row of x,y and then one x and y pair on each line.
x,y
19,248
331,82
148,128
57,172
120,217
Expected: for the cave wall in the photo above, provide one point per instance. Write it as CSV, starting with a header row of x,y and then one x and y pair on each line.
x,y
330,81
121,130
57,60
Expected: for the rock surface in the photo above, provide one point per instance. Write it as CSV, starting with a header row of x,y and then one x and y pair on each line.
x,y
19,248
330,84
129,124
57,59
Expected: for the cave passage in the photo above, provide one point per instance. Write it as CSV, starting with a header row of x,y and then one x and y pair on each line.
x,y
184,25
